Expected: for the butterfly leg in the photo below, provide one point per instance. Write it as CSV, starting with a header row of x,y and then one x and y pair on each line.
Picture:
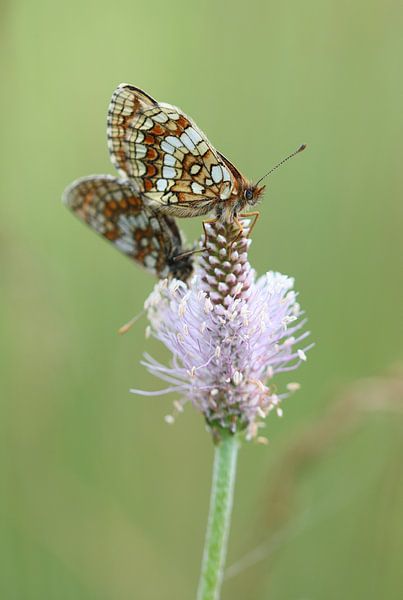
x,y
188,253
204,246
255,215
240,232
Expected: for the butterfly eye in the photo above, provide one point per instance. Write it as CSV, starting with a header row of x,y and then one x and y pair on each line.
x,y
248,194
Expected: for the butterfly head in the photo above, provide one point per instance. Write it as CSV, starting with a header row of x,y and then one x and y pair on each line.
x,y
253,193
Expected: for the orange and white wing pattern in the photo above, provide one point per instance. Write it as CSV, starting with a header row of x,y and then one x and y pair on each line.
x,y
111,207
166,156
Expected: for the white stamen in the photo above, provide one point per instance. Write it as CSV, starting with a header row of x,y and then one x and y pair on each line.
x,y
293,387
301,355
208,305
261,385
288,319
237,377
182,308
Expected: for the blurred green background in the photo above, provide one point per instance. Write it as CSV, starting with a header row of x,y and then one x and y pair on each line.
x,y
100,498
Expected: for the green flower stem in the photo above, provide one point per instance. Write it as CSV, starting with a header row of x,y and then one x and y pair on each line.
x,y
222,492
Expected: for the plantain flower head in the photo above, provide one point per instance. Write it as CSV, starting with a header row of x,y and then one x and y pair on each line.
x,y
229,334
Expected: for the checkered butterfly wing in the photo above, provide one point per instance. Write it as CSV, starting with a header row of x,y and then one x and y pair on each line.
x,y
166,156
110,207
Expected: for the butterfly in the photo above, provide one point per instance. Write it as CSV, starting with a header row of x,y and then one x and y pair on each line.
x,y
171,162
111,207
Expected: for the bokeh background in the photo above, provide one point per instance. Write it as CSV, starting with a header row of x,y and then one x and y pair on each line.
x,y
101,499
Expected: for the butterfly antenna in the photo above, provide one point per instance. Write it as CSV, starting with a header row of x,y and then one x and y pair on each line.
x,y
300,149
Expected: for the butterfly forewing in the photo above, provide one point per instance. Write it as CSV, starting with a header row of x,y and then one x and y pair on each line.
x,y
165,155
126,103
111,207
